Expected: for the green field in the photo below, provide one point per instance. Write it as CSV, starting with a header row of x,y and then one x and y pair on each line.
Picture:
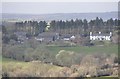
x,y
86,49
14,66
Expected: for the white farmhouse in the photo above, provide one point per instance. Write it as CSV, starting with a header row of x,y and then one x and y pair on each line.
x,y
100,36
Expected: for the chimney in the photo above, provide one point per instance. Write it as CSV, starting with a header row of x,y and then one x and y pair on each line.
x,y
99,32
110,33
90,33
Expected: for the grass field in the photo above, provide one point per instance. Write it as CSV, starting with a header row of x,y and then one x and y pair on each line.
x,y
85,49
10,65
24,69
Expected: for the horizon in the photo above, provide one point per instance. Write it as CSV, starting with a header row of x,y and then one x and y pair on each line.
x,y
59,13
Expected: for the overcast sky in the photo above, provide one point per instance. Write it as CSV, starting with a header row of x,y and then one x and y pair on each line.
x,y
58,7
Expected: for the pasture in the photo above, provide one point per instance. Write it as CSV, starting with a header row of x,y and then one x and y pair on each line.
x,y
85,49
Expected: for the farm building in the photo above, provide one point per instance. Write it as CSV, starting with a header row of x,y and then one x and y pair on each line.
x,y
100,36
47,37
67,37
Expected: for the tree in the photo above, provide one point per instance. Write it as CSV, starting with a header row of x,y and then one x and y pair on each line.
x,y
97,24
101,24
110,24
42,26
6,39
115,22
14,37
4,30
91,25
53,25
85,26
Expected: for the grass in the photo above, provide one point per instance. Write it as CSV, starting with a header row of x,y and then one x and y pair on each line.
x,y
7,60
20,68
104,78
85,49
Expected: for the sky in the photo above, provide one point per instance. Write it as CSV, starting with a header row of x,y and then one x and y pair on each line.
x,y
59,0
58,7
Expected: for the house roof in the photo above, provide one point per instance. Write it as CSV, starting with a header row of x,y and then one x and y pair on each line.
x,y
100,34
66,36
47,34
20,33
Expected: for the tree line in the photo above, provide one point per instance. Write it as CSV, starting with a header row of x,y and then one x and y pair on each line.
x,y
77,26
31,27
84,26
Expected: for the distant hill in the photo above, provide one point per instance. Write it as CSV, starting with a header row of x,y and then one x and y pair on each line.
x,y
60,16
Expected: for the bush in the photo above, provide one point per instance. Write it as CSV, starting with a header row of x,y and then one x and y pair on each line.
x,y
68,58
15,52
